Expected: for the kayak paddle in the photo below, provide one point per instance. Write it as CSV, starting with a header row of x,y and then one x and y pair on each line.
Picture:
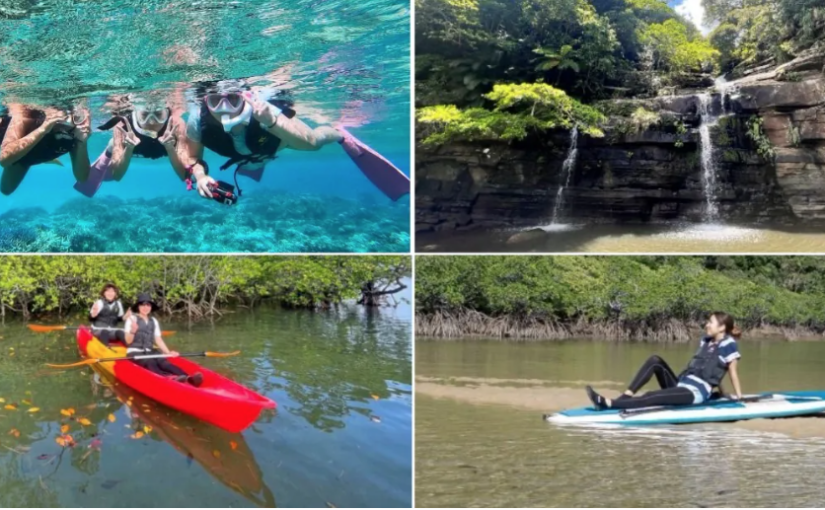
x,y
37,328
92,361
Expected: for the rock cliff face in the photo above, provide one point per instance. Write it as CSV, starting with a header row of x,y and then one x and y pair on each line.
x,y
644,175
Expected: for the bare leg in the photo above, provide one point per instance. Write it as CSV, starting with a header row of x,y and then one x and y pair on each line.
x,y
296,134
12,177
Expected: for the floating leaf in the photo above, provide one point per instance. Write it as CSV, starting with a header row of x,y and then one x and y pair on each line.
x,y
234,445
138,434
64,429
112,417
11,407
64,440
129,403
216,454
34,409
147,429
14,432
67,412
2,401
95,444
84,421
374,396
26,402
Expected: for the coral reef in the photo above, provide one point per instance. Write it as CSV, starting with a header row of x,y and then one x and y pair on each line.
x,y
259,223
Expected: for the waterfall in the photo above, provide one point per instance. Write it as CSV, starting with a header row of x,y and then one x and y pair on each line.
x,y
708,166
567,170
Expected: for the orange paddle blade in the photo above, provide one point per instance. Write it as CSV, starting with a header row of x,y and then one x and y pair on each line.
x,y
168,333
210,354
45,329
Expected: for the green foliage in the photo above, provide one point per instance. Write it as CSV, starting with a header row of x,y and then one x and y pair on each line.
x,y
192,285
753,31
755,132
757,291
676,51
519,109
585,47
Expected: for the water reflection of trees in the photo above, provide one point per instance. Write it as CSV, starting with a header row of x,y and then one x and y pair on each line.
x,y
330,362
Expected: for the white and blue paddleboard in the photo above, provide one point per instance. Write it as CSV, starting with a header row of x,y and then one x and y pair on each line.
x,y
763,405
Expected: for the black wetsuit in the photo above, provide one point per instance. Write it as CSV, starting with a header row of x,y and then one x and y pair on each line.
x,y
148,147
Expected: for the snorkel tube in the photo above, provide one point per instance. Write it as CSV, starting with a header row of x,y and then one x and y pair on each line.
x,y
229,121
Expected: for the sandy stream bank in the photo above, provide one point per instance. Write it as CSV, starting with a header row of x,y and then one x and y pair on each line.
x,y
548,396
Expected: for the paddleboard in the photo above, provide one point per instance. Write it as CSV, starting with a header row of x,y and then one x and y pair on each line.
x,y
762,405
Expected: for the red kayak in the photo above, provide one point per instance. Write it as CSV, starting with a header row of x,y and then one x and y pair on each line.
x,y
219,401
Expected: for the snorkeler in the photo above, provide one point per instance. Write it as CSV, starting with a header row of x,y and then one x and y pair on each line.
x,y
140,130
34,136
235,123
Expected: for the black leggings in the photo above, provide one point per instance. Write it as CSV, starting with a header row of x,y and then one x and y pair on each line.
x,y
160,366
108,335
669,394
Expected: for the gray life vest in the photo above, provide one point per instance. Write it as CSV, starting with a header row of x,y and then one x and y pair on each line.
x,y
707,364
145,337
109,315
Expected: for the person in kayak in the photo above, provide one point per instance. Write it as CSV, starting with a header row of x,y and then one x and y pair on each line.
x,y
143,333
34,136
718,355
106,313
140,129
236,123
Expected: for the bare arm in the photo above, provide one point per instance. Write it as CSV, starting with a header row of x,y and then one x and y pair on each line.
x,y
734,377
176,147
162,345
17,143
123,146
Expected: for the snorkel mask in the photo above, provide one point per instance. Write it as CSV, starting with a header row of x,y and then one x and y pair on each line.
x,y
74,118
143,116
231,107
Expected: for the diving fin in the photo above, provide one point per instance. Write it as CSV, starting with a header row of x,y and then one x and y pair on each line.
x,y
98,172
383,174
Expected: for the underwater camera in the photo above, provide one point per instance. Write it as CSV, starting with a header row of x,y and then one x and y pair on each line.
x,y
223,192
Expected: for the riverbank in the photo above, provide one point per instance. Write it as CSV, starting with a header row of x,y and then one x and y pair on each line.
x,y
469,324
628,298
197,286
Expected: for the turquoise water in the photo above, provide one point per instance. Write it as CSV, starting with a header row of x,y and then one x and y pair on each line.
x,y
339,61
341,435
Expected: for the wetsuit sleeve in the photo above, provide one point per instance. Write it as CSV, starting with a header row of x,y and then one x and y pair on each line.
x,y
120,311
729,351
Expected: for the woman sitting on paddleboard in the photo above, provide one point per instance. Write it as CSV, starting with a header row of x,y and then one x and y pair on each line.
x,y
718,354
143,333
106,313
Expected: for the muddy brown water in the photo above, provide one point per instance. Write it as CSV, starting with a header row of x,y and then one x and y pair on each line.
x,y
480,439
